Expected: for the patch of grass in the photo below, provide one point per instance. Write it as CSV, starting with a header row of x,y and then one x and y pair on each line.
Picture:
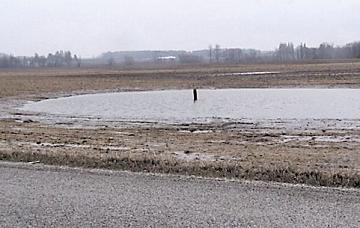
x,y
206,169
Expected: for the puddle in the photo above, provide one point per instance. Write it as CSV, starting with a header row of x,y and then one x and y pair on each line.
x,y
64,145
248,73
222,104
200,157
320,138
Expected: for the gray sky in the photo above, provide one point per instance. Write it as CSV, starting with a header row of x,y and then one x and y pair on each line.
x,y
90,27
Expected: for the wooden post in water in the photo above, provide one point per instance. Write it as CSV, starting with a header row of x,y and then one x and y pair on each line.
x,y
195,95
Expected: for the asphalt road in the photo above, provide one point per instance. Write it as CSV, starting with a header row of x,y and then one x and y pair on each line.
x,y
43,196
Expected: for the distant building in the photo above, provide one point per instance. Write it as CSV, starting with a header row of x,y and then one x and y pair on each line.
x,y
166,59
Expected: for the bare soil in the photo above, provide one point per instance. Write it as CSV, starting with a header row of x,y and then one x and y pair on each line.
x,y
316,155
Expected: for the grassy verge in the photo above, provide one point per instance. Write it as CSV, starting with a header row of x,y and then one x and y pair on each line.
x,y
206,169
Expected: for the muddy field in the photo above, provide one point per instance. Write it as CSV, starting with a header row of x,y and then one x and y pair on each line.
x,y
316,152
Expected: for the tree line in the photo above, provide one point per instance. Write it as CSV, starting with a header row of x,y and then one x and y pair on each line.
x,y
57,59
286,52
324,51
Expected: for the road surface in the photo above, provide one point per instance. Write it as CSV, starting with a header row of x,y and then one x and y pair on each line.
x,y
44,196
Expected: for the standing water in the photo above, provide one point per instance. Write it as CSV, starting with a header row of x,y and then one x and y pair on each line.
x,y
179,105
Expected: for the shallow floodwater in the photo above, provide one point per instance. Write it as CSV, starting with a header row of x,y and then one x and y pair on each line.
x,y
178,105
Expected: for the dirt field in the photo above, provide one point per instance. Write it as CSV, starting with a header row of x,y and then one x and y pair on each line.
x,y
314,153
39,82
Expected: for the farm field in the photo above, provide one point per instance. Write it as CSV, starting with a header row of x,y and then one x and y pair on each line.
x,y
315,152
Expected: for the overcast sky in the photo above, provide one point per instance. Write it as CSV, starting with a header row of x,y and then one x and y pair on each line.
x,y
90,27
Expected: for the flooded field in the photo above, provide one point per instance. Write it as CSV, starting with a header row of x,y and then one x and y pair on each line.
x,y
284,130
178,105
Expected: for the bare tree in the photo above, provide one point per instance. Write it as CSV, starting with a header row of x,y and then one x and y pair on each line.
x,y
68,58
77,60
286,52
217,53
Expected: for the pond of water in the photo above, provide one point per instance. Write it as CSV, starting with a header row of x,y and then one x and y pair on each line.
x,y
178,105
